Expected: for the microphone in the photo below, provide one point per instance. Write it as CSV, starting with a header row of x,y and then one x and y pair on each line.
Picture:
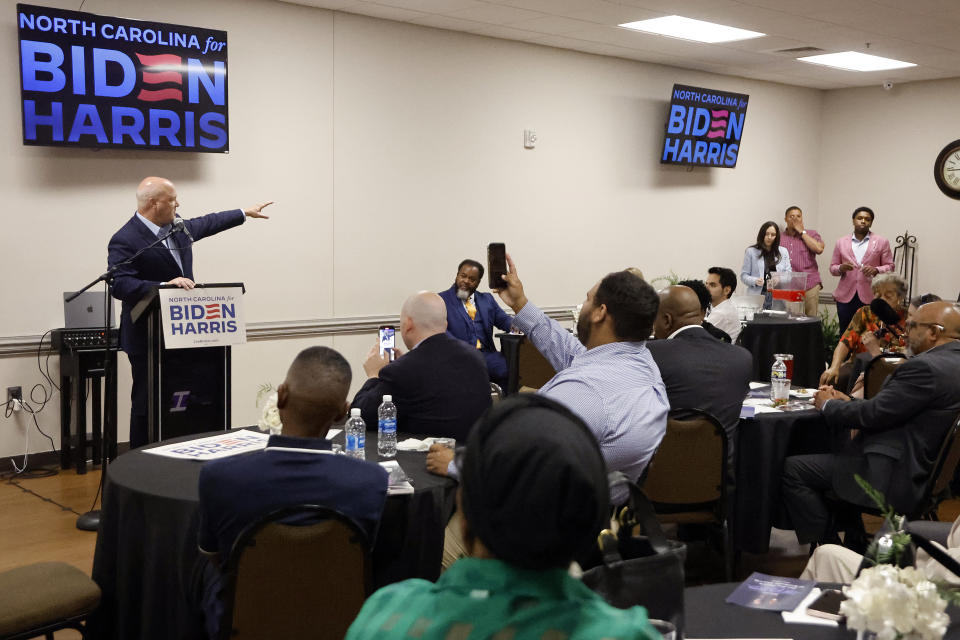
x,y
885,314
179,226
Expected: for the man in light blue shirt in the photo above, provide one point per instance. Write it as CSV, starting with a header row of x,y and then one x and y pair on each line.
x,y
606,375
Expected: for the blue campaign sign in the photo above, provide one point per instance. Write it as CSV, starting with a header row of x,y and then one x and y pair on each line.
x,y
704,127
97,81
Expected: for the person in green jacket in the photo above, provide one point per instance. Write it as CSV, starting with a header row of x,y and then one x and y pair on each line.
x,y
533,492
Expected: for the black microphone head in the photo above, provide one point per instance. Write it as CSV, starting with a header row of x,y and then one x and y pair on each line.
x,y
884,311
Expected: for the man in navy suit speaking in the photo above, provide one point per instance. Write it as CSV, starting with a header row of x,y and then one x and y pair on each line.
x,y
167,263
471,317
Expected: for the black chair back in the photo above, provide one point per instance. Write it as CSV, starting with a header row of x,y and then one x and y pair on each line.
x,y
878,371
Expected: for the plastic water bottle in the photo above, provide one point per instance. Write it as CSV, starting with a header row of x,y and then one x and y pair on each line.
x,y
387,428
356,435
779,383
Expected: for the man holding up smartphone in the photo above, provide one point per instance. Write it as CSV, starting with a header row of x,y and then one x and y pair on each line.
x,y
471,317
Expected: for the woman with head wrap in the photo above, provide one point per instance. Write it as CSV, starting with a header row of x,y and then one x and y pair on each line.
x,y
533,492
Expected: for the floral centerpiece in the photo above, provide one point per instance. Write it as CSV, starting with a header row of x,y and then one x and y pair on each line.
x,y
890,600
895,602
270,416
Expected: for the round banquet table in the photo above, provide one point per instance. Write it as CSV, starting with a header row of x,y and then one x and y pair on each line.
x,y
708,616
146,560
763,443
802,337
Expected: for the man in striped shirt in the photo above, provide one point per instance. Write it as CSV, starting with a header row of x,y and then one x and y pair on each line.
x,y
803,245
606,375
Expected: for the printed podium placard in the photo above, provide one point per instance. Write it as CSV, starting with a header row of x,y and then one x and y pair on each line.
x,y
202,317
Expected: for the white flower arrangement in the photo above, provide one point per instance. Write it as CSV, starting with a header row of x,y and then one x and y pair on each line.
x,y
893,603
270,417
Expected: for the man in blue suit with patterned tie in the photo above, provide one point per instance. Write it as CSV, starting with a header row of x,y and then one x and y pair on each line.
x,y
471,317
168,263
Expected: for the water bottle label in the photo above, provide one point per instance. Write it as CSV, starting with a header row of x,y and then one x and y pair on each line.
x,y
388,425
778,375
361,440
351,442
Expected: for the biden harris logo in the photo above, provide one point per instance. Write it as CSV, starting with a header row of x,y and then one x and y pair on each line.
x,y
704,127
96,81
196,319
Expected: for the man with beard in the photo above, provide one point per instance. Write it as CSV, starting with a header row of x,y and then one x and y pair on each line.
x,y
606,374
471,317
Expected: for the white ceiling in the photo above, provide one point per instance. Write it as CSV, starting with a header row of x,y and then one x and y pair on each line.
x,y
924,32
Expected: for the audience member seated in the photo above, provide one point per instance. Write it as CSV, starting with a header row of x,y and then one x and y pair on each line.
x,y
471,317
867,333
699,371
704,296
606,374
297,467
721,283
894,436
533,493
440,386
763,258
833,563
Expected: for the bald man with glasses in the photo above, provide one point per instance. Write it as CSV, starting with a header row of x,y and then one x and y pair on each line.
x,y
894,436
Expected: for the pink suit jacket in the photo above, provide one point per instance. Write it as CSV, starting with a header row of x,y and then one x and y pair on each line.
x,y
878,255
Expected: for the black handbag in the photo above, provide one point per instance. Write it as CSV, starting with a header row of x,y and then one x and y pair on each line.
x,y
640,568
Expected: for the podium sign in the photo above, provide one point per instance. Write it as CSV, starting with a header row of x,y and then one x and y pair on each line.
x,y
207,317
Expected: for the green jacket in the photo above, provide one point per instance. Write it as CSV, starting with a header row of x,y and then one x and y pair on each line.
x,y
489,599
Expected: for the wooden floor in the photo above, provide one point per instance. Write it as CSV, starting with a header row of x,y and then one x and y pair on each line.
x,y
40,514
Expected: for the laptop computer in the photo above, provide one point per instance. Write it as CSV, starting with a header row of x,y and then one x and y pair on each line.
x,y
86,311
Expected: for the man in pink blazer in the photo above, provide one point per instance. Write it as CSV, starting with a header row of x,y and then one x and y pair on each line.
x,y
856,259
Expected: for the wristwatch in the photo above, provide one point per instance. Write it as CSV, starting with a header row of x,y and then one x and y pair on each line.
x,y
804,232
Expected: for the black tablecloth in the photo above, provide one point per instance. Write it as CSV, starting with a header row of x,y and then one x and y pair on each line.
x,y
146,556
763,442
708,616
802,337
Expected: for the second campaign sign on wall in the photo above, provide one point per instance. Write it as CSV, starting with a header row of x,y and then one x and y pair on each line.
x,y
704,128
97,81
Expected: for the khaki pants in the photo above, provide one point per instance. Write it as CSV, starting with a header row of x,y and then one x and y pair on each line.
x,y
811,301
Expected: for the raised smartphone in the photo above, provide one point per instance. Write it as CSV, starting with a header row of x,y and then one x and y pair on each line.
x,y
388,341
496,264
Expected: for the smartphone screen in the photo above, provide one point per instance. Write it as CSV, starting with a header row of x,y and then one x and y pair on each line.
x,y
496,264
387,341
827,605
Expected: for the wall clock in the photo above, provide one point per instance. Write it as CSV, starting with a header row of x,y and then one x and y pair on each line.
x,y
946,170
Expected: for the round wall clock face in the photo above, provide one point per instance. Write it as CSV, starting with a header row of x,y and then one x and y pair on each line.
x,y
946,170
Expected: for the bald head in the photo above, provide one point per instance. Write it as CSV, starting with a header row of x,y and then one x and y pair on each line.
x,y
423,315
679,307
157,200
933,324
314,394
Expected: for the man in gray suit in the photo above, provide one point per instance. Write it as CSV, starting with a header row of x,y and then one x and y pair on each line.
x,y
894,436
699,371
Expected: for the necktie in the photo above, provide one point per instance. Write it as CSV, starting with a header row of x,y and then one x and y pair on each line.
x,y
472,312
174,251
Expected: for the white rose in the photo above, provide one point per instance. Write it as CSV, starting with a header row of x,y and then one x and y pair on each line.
x,y
270,418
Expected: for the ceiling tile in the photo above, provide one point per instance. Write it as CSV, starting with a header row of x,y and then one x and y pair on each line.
x,y
432,6
552,24
496,14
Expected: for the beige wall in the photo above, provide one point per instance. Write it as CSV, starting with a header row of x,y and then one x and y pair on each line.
x,y
393,151
878,150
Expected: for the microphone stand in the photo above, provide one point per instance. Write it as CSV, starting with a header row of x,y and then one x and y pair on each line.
x,y
90,521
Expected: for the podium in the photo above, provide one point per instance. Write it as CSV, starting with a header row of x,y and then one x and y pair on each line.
x,y
188,387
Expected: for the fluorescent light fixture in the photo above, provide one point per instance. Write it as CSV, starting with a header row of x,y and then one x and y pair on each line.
x,y
854,61
690,29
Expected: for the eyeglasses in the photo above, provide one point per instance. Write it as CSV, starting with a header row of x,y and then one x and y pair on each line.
x,y
910,326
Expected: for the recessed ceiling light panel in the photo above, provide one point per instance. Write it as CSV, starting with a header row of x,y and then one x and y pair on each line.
x,y
855,61
690,29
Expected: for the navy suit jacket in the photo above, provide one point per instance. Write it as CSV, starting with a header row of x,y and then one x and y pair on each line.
x,y
155,266
702,372
901,429
489,315
440,389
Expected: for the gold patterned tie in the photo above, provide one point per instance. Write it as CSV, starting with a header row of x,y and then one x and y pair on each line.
x,y
472,312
